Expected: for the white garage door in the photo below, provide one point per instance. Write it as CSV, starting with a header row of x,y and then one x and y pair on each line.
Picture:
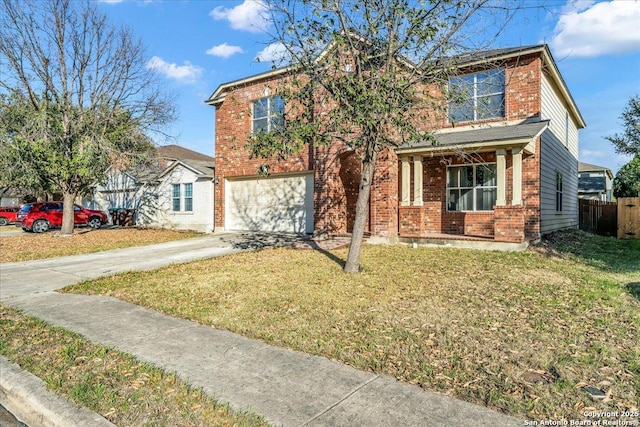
x,y
280,203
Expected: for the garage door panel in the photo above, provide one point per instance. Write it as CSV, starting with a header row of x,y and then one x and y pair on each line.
x,y
282,204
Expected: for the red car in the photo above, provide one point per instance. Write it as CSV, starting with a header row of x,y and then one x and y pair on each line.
x,y
8,214
40,217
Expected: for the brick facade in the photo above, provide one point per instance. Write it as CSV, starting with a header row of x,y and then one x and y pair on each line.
x,y
434,218
509,224
233,128
337,170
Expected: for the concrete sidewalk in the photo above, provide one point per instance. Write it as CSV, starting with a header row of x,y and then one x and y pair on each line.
x,y
286,387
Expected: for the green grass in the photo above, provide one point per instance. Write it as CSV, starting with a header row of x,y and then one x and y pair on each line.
x,y
465,323
125,391
30,246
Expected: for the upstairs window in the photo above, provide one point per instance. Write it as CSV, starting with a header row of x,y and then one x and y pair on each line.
x,y
267,114
478,96
472,187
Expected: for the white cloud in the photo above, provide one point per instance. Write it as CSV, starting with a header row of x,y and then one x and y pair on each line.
x,y
182,73
251,15
110,1
592,154
224,50
275,52
591,29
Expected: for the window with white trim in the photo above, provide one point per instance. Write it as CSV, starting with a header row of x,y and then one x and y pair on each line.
x,y
472,187
182,197
188,197
176,197
558,192
267,114
477,96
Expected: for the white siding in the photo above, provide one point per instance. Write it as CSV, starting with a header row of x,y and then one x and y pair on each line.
x,y
556,158
153,203
121,191
201,217
558,154
9,201
555,110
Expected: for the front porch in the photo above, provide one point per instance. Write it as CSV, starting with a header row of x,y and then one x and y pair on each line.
x,y
432,220
463,242
476,185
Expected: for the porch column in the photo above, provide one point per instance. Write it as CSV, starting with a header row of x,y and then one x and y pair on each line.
x,y
501,166
517,176
406,182
417,180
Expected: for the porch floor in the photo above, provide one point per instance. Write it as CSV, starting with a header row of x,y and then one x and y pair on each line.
x,y
463,241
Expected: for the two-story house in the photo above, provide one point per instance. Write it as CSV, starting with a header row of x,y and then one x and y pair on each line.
x,y
594,182
504,167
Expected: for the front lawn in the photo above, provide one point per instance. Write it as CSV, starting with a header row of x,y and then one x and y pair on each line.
x,y
521,333
30,246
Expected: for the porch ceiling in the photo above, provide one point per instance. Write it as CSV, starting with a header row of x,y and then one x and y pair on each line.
x,y
480,139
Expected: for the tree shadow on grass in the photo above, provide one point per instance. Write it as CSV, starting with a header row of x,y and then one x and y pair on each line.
x,y
606,253
260,240
634,289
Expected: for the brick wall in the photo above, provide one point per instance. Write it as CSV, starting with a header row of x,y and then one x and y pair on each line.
x,y
233,129
337,170
433,216
337,178
384,196
509,224
523,98
411,221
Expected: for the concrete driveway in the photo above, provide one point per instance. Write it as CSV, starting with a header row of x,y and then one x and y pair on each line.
x,y
31,277
10,230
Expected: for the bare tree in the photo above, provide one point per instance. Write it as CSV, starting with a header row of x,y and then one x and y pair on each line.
x,y
371,74
76,96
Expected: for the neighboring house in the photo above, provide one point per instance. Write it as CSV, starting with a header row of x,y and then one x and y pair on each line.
x,y
10,197
176,191
507,173
594,182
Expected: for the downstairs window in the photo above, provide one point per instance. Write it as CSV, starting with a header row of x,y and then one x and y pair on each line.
x,y
472,187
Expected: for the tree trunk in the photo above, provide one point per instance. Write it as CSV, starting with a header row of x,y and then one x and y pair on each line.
x,y
362,213
67,213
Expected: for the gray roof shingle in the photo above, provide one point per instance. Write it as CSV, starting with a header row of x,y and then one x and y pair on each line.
x,y
525,130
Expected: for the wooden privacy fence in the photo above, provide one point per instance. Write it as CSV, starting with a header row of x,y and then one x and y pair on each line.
x,y
621,219
629,218
598,217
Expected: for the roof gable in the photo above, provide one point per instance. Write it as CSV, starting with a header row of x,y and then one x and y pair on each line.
x,y
200,168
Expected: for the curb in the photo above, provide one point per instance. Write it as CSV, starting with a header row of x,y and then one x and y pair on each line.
x,y
27,398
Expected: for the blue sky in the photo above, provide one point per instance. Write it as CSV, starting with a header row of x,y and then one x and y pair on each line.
x,y
197,45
